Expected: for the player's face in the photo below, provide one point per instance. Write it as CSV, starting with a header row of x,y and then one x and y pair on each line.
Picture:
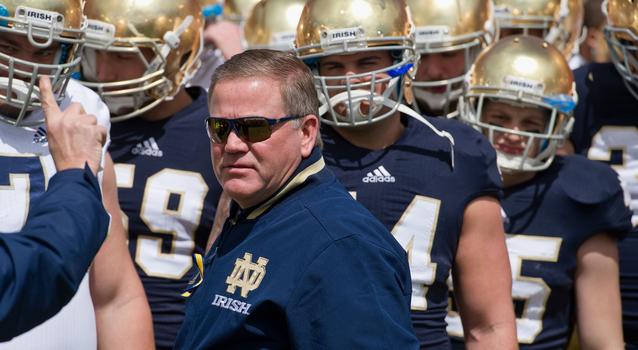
x,y
119,66
357,63
251,172
19,47
440,66
526,119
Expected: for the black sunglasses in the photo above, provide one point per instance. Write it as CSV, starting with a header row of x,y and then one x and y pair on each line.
x,y
249,129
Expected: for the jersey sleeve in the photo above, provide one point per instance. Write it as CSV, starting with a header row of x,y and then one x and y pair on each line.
x,y
63,232
354,295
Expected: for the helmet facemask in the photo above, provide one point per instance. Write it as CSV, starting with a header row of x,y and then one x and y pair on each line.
x,y
363,98
133,97
624,54
449,35
545,143
370,92
444,103
19,78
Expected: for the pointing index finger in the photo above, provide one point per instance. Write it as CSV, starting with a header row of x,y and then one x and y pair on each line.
x,y
49,104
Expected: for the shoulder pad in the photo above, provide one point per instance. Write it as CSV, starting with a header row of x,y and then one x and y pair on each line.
x,y
586,181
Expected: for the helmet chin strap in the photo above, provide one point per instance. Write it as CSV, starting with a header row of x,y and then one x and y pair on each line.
x,y
441,133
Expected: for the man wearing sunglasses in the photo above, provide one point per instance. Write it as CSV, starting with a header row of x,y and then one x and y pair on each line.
x,y
299,264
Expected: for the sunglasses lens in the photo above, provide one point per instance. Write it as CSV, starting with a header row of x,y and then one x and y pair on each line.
x,y
254,129
218,130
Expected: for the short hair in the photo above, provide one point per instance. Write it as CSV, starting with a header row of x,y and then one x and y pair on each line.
x,y
296,82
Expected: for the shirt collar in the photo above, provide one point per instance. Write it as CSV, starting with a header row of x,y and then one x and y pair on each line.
x,y
308,167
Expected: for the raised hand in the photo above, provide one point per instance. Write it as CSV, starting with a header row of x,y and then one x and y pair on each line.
x,y
74,136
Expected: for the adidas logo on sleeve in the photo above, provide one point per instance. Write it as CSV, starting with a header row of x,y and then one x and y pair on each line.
x,y
147,148
379,174
40,136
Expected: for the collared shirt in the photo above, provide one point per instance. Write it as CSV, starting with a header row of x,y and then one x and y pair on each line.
x,y
308,268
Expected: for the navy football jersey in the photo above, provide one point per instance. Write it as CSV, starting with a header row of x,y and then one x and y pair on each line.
x,y
168,192
413,189
606,129
547,219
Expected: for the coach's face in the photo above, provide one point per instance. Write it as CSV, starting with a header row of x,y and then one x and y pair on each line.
x,y
250,172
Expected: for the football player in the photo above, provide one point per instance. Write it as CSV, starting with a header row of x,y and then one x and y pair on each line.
x,y
559,22
449,35
432,182
44,38
606,129
138,56
563,215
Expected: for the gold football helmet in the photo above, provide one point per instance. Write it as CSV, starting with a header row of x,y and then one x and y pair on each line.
x,y
447,26
559,22
272,24
522,71
46,24
337,27
238,10
171,30
621,34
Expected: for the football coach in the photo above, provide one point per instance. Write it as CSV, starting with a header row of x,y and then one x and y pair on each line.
x,y
299,263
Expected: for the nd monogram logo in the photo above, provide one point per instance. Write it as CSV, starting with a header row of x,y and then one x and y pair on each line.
x,y
246,274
